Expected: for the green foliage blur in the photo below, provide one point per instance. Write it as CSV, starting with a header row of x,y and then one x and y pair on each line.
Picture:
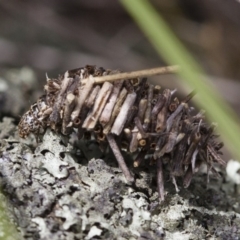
x,y
173,52
8,230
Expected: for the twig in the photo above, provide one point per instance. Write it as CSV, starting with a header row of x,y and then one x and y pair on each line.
x,y
158,106
142,108
69,105
162,115
160,181
55,115
123,114
147,116
119,158
136,74
134,141
172,137
90,101
83,91
107,111
115,111
91,120
178,156
196,137
140,157
188,177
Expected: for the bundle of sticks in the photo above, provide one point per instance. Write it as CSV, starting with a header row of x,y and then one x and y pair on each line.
x,y
128,113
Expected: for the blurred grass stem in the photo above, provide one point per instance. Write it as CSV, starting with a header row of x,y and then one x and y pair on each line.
x,y
174,53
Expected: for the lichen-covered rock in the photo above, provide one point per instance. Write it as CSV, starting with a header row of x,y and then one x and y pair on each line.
x,y
56,194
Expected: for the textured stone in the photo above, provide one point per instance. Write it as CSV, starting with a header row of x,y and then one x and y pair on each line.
x,y
54,193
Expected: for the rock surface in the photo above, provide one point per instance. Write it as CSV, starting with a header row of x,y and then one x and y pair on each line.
x,y
55,193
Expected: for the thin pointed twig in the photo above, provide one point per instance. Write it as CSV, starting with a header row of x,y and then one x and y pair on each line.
x,y
136,74
160,180
119,158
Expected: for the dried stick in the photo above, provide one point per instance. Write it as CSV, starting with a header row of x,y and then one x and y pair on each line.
x,y
123,114
84,91
107,111
135,108
158,106
178,156
204,141
85,109
194,158
196,137
178,110
92,118
65,83
172,138
160,180
115,111
162,115
127,133
173,106
142,108
69,105
157,89
55,115
216,157
134,141
119,158
92,96
147,117
173,116
139,126
140,157
188,177
136,74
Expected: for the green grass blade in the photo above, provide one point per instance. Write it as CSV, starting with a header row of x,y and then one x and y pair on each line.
x,y
173,52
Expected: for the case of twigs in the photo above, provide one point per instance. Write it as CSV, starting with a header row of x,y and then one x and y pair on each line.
x,y
128,113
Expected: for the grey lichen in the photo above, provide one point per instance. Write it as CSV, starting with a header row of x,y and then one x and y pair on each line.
x,y
54,193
